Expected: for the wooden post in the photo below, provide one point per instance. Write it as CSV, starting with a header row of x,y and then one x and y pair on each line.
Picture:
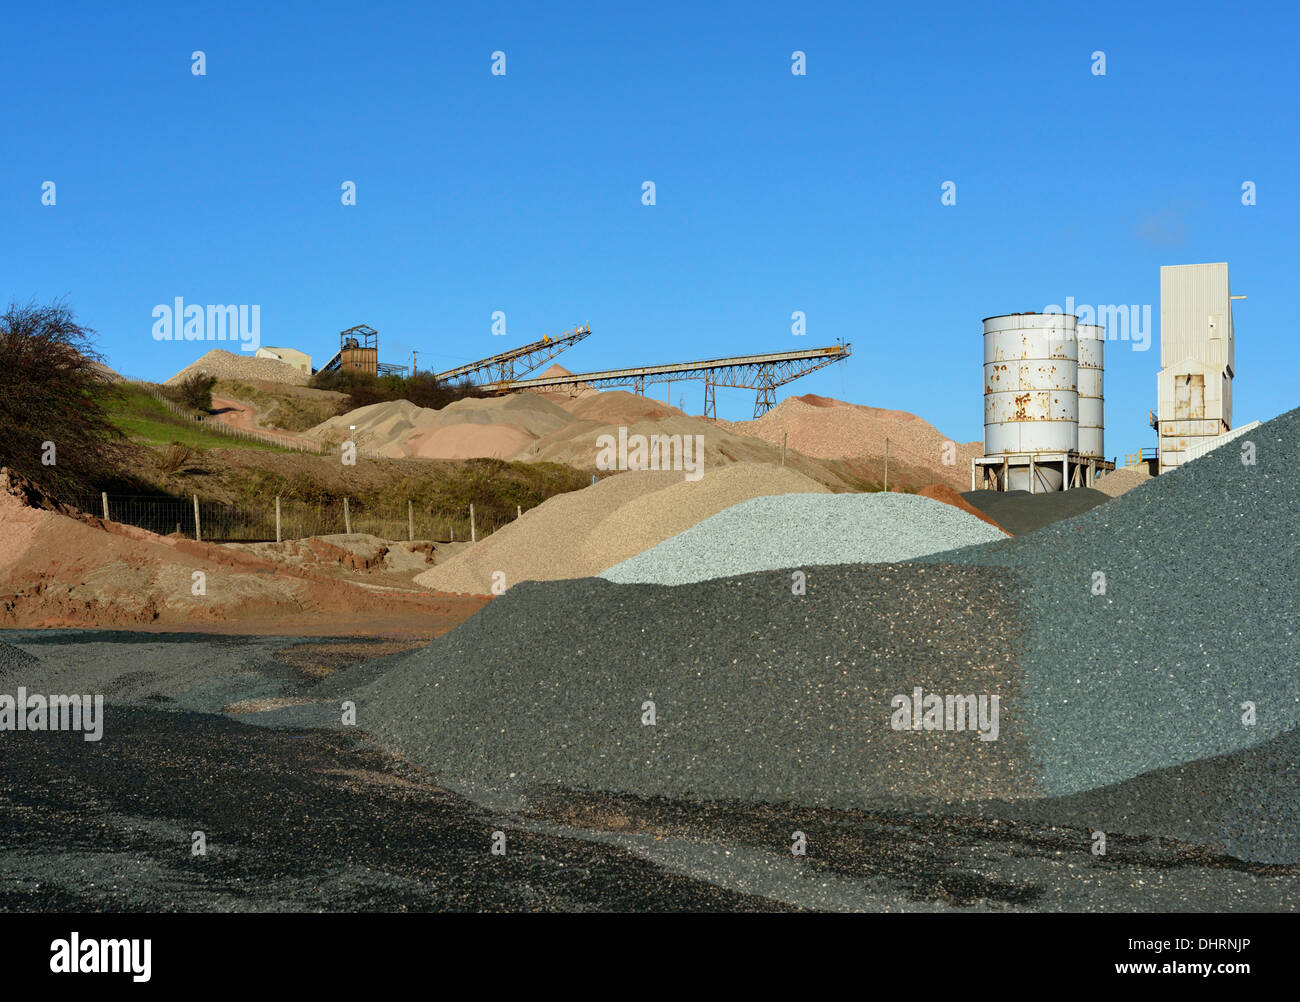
x,y
473,532
104,498
784,436
886,466
277,518
519,511
410,519
198,531
347,518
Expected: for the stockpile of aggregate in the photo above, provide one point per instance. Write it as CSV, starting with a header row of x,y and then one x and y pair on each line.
x,y
1020,512
804,530
1198,617
584,532
230,365
14,661
1123,480
759,693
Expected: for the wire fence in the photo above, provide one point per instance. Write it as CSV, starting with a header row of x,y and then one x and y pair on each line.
x,y
284,518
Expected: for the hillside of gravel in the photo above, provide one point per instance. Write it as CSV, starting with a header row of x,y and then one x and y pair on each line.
x,y
585,532
1020,512
757,693
805,530
229,365
1200,569
826,428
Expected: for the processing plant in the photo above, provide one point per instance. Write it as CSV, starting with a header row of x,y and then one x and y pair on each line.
x,y
1044,409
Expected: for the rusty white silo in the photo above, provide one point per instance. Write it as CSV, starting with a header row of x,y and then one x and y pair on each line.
x,y
1031,397
1092,402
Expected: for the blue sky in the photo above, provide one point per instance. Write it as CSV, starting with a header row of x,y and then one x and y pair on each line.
x,y
775,192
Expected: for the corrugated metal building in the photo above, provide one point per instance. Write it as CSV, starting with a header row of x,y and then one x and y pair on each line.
x,y
1194,386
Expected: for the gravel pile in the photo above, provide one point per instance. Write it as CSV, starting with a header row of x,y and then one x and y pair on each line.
x,y
588,531
1202,570
803,530
832,429
14,660
1123,480
758,693
229,365
1020,512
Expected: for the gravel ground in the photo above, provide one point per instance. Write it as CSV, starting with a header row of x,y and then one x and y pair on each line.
x,y
1202,570
801,530
1020,512
759,693
299,817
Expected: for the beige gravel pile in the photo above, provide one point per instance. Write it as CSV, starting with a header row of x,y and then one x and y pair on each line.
x,y
586,532
832,429
228,365
1122,480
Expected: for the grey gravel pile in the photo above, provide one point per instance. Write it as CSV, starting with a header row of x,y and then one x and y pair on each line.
x,y
1121,709
803,530
1199,615
14,660
759,694
1020,512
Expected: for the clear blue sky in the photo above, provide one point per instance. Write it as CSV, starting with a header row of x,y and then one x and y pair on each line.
x,y
775,192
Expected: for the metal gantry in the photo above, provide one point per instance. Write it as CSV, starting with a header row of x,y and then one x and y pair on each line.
x,y
506,365
763,373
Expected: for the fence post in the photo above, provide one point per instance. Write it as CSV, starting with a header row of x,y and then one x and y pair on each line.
x,y
198,532
519,511
473,533
277,518
410,521
347,517
104,497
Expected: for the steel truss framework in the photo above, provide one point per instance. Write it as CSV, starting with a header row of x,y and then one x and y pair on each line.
x,y
763,373
505,366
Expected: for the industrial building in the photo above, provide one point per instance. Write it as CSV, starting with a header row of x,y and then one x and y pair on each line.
x,y
1194,386
292,356
1044,406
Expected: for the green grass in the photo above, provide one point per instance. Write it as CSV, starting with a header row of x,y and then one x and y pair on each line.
x,y
143,419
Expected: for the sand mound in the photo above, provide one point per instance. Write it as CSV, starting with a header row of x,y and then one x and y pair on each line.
x,y
467,441
944,493
832,429
495,427
228,365
586,532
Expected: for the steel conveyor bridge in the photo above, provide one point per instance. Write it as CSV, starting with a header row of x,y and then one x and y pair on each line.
x,y
763,373
505,366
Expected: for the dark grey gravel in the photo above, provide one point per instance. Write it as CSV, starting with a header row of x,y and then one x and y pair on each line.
x,y
14,661
1020,512
759,693
1199,616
